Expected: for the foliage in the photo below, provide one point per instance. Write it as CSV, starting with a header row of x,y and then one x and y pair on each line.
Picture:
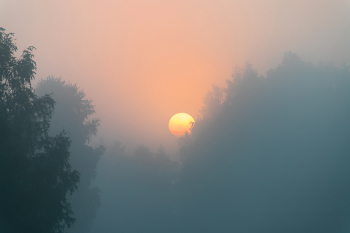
x,y
73,112
271,153
35,174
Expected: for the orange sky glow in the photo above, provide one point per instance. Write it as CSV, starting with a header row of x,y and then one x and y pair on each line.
x,y
143,61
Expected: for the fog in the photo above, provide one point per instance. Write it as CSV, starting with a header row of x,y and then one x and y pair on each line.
x,y
268,83
143,61
269,154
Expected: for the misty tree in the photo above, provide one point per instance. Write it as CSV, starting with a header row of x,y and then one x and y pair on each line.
x,y
271,153
73,113
35,174
138,191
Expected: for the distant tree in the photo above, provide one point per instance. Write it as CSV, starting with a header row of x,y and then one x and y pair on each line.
x,y
138,190
73,112
271,153
35,174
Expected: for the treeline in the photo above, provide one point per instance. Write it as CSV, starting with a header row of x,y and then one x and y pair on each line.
x,y
46,164
269,154
137,190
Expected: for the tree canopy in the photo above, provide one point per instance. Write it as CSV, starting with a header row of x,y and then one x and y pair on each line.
x,y
271,153
73,112
35,173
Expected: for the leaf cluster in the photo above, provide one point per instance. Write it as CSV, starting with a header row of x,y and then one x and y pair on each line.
x,y
35,174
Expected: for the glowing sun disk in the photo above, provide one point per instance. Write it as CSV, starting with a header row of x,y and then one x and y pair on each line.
x,y
180,123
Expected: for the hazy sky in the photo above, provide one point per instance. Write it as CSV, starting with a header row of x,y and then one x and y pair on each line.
x,y
143,61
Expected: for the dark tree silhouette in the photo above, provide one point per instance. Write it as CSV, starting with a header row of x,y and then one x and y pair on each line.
x,y
271,153
35,174
73,112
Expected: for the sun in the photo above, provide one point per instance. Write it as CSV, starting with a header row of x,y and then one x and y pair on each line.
x,y
181,123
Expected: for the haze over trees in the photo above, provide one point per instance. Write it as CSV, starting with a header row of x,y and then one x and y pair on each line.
x,y
137,191
35,174
269,154
73,114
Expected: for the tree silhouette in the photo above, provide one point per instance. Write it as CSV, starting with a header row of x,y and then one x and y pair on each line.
x,y
271,153
72,112
35,174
